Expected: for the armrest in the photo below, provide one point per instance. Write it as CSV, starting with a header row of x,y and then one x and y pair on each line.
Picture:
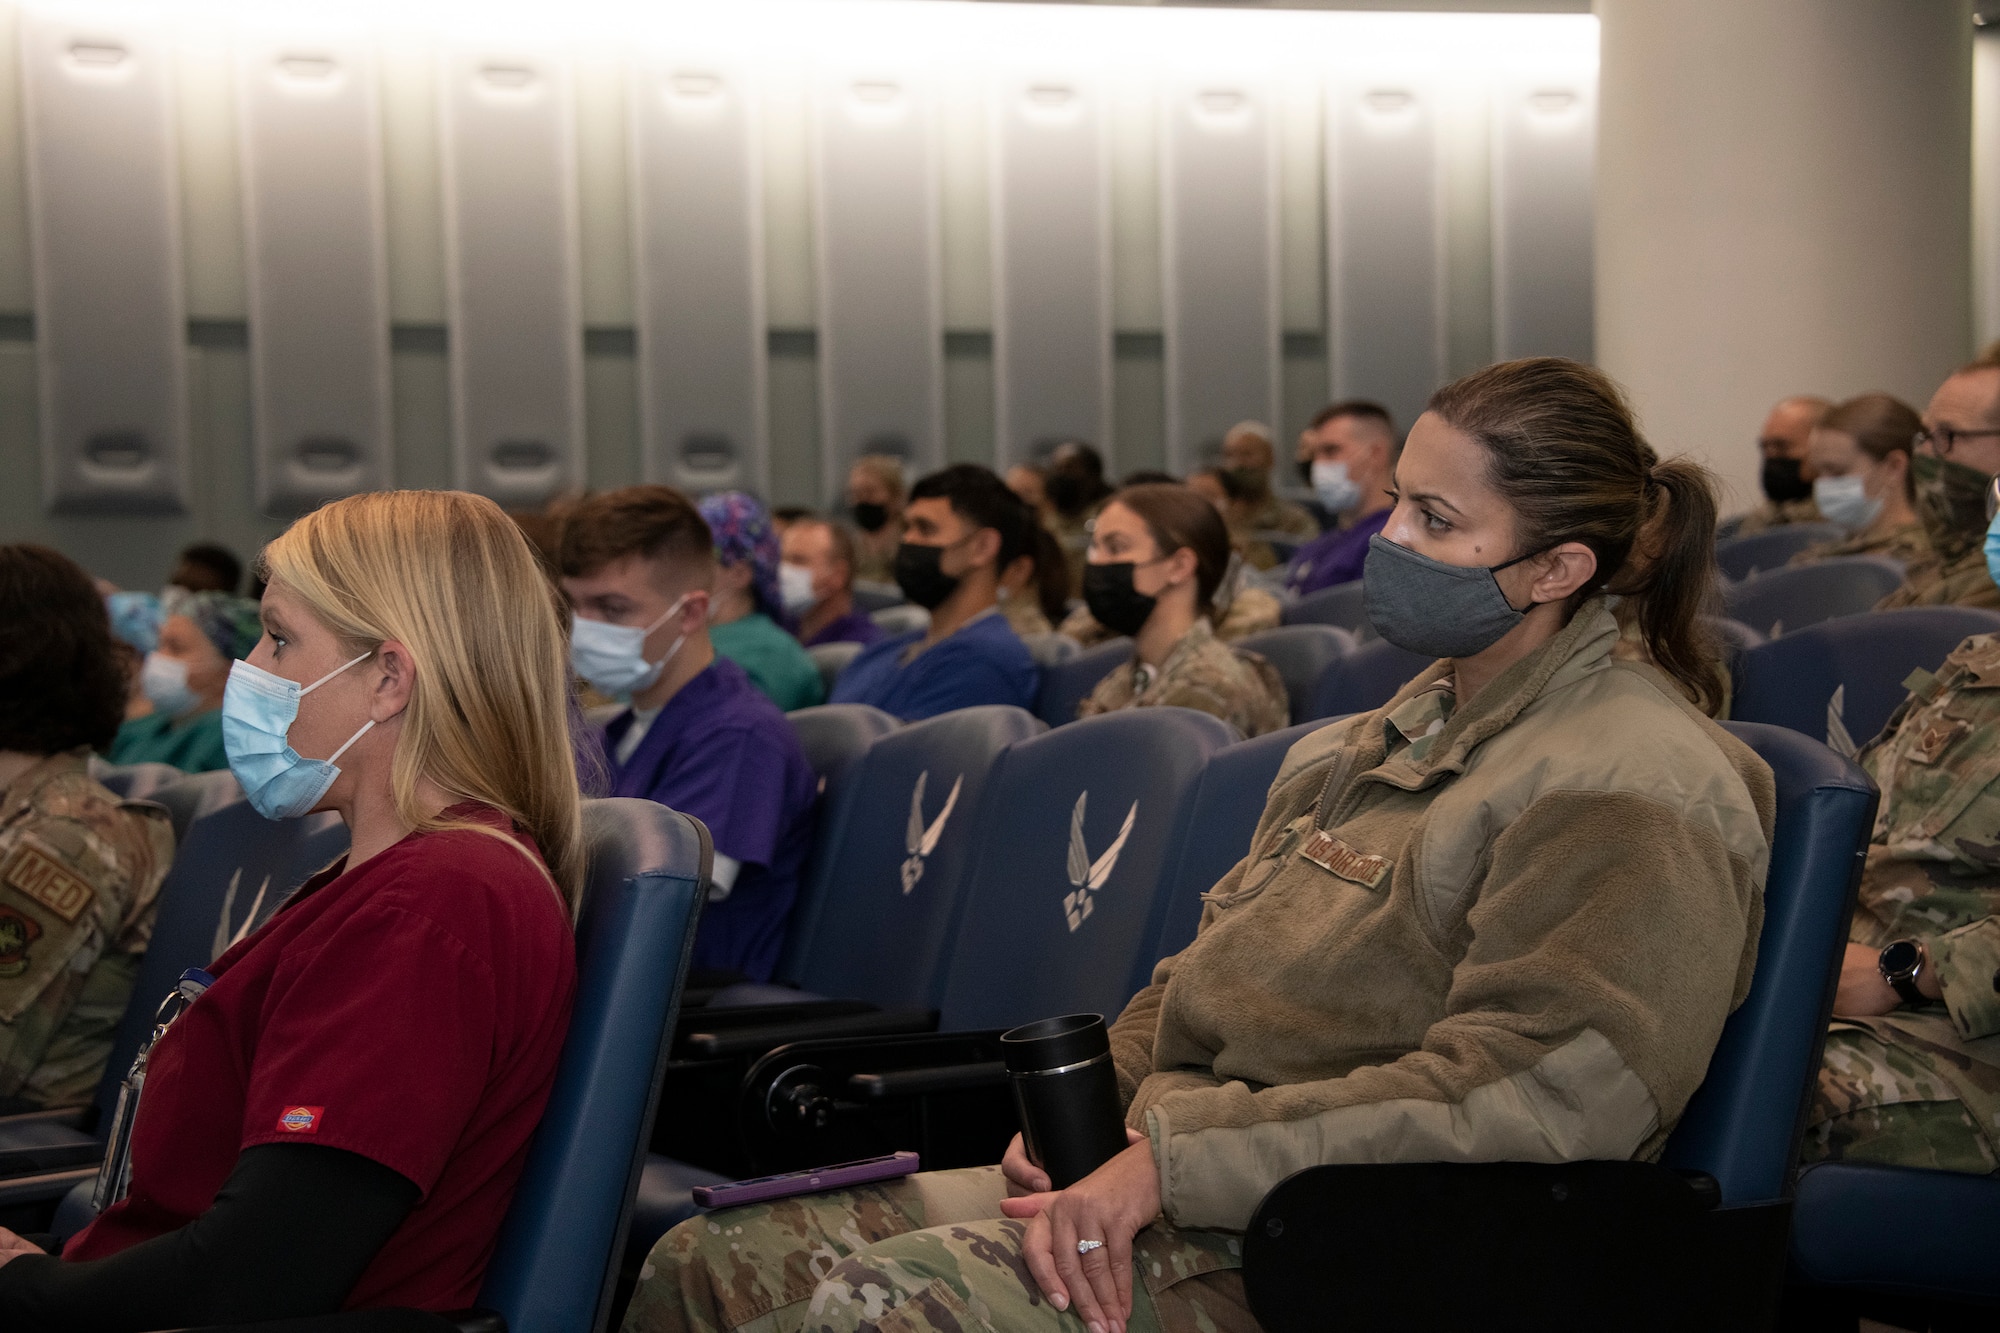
x,y
41,1158
62,1117
1562,1245
756,1030
923,1082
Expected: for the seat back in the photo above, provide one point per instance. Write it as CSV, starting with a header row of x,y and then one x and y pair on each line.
x,y
891,858
1067,684
1791,681
901,618
1301,654
832,658
557,1258
1227,804
1344,606
133,782
834,736
231,872
871,597
1744,1123
1077,831
1736,636
1364,679
1784,601
1742,557
1051,649
192,795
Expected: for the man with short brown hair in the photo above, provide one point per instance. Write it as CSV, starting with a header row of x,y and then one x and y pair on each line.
x,y
1955,461
817,583
638,567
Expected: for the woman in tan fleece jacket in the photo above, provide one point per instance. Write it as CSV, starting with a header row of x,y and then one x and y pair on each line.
x,y
1501,918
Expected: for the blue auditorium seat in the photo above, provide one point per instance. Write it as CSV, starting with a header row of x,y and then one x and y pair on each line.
x,y
557,1260
1302,654
1077,834
831,659
1741,557
193,795
233,863
1364,679
133,782
1068,684
1227,805
1051,649
872,597
1344,606
1783,601
1736,637
875,914
1698,1240
1840,1240
834,736
1790,682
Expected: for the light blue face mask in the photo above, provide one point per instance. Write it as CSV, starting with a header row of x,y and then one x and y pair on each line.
x,y
258,709
1993,530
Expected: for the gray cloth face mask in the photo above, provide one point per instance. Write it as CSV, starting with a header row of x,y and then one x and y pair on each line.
x,y
1426,606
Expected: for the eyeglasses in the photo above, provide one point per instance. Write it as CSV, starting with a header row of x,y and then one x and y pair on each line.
x,y
1944,438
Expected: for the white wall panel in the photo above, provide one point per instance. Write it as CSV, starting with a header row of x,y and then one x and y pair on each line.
x,y
316,265
1385,236
881,341
698,221
1544,165
104,226
1219,223
1051,258
511,271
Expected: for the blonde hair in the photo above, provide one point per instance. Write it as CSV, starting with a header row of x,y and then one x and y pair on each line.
x,y
452,579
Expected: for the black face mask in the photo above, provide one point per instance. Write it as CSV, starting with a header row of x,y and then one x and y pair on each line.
x,y
1118,606
1782,482
920,574
870,517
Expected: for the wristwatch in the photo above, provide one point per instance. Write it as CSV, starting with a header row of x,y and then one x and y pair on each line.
x,y
1902,962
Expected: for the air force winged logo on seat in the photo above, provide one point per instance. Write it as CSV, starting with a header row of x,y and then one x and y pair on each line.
x,y
1087,875
921,841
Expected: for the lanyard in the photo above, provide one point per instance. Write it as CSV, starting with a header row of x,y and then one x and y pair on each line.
x,y
114,1176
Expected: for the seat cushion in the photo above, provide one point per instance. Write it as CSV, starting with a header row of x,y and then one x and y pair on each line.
x,y
1847,1231
666,1199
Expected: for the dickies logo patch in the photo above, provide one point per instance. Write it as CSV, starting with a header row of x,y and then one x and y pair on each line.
x,y
1331,854
301,1119
18,931
48,881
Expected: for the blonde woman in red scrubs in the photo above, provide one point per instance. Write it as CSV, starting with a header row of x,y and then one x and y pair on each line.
x,y
337,1119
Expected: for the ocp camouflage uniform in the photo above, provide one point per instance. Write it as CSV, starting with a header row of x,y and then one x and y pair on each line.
x,y
1963,580
1204,674
79,874
1906,545
927,1252
1273,515
1921,1087
1771,514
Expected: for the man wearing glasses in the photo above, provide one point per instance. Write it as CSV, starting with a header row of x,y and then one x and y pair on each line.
x,y
1957,455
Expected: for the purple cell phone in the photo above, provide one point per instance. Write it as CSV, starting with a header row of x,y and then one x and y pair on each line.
x,y
764,1188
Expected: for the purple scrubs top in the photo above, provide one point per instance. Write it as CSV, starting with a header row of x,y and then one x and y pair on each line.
x,y
1335,556
723,753
857,626
983,662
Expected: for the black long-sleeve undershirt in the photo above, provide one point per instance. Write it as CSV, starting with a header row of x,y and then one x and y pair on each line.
x,y
289,1235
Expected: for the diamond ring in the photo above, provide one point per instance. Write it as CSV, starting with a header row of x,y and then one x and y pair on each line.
x,y
1086,1246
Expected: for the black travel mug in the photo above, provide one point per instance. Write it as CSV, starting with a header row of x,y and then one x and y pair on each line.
x,y
1067,1093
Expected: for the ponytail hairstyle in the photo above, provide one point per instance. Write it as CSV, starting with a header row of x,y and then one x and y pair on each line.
x,y
451,578
1564,450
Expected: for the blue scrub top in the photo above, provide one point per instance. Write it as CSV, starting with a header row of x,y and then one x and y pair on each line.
x,y
984,662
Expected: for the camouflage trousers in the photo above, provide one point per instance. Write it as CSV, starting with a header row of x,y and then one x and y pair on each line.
x,y
930,1252
1897,1094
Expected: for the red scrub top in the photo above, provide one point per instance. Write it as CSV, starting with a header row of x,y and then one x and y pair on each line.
x,y
411,1010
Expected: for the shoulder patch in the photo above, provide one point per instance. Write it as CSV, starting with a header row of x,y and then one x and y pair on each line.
x,y
48,881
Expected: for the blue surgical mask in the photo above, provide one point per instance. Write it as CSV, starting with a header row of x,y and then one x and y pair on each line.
x,y
1333,487
613,657
165,681
1993,539
258,709
1844,502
